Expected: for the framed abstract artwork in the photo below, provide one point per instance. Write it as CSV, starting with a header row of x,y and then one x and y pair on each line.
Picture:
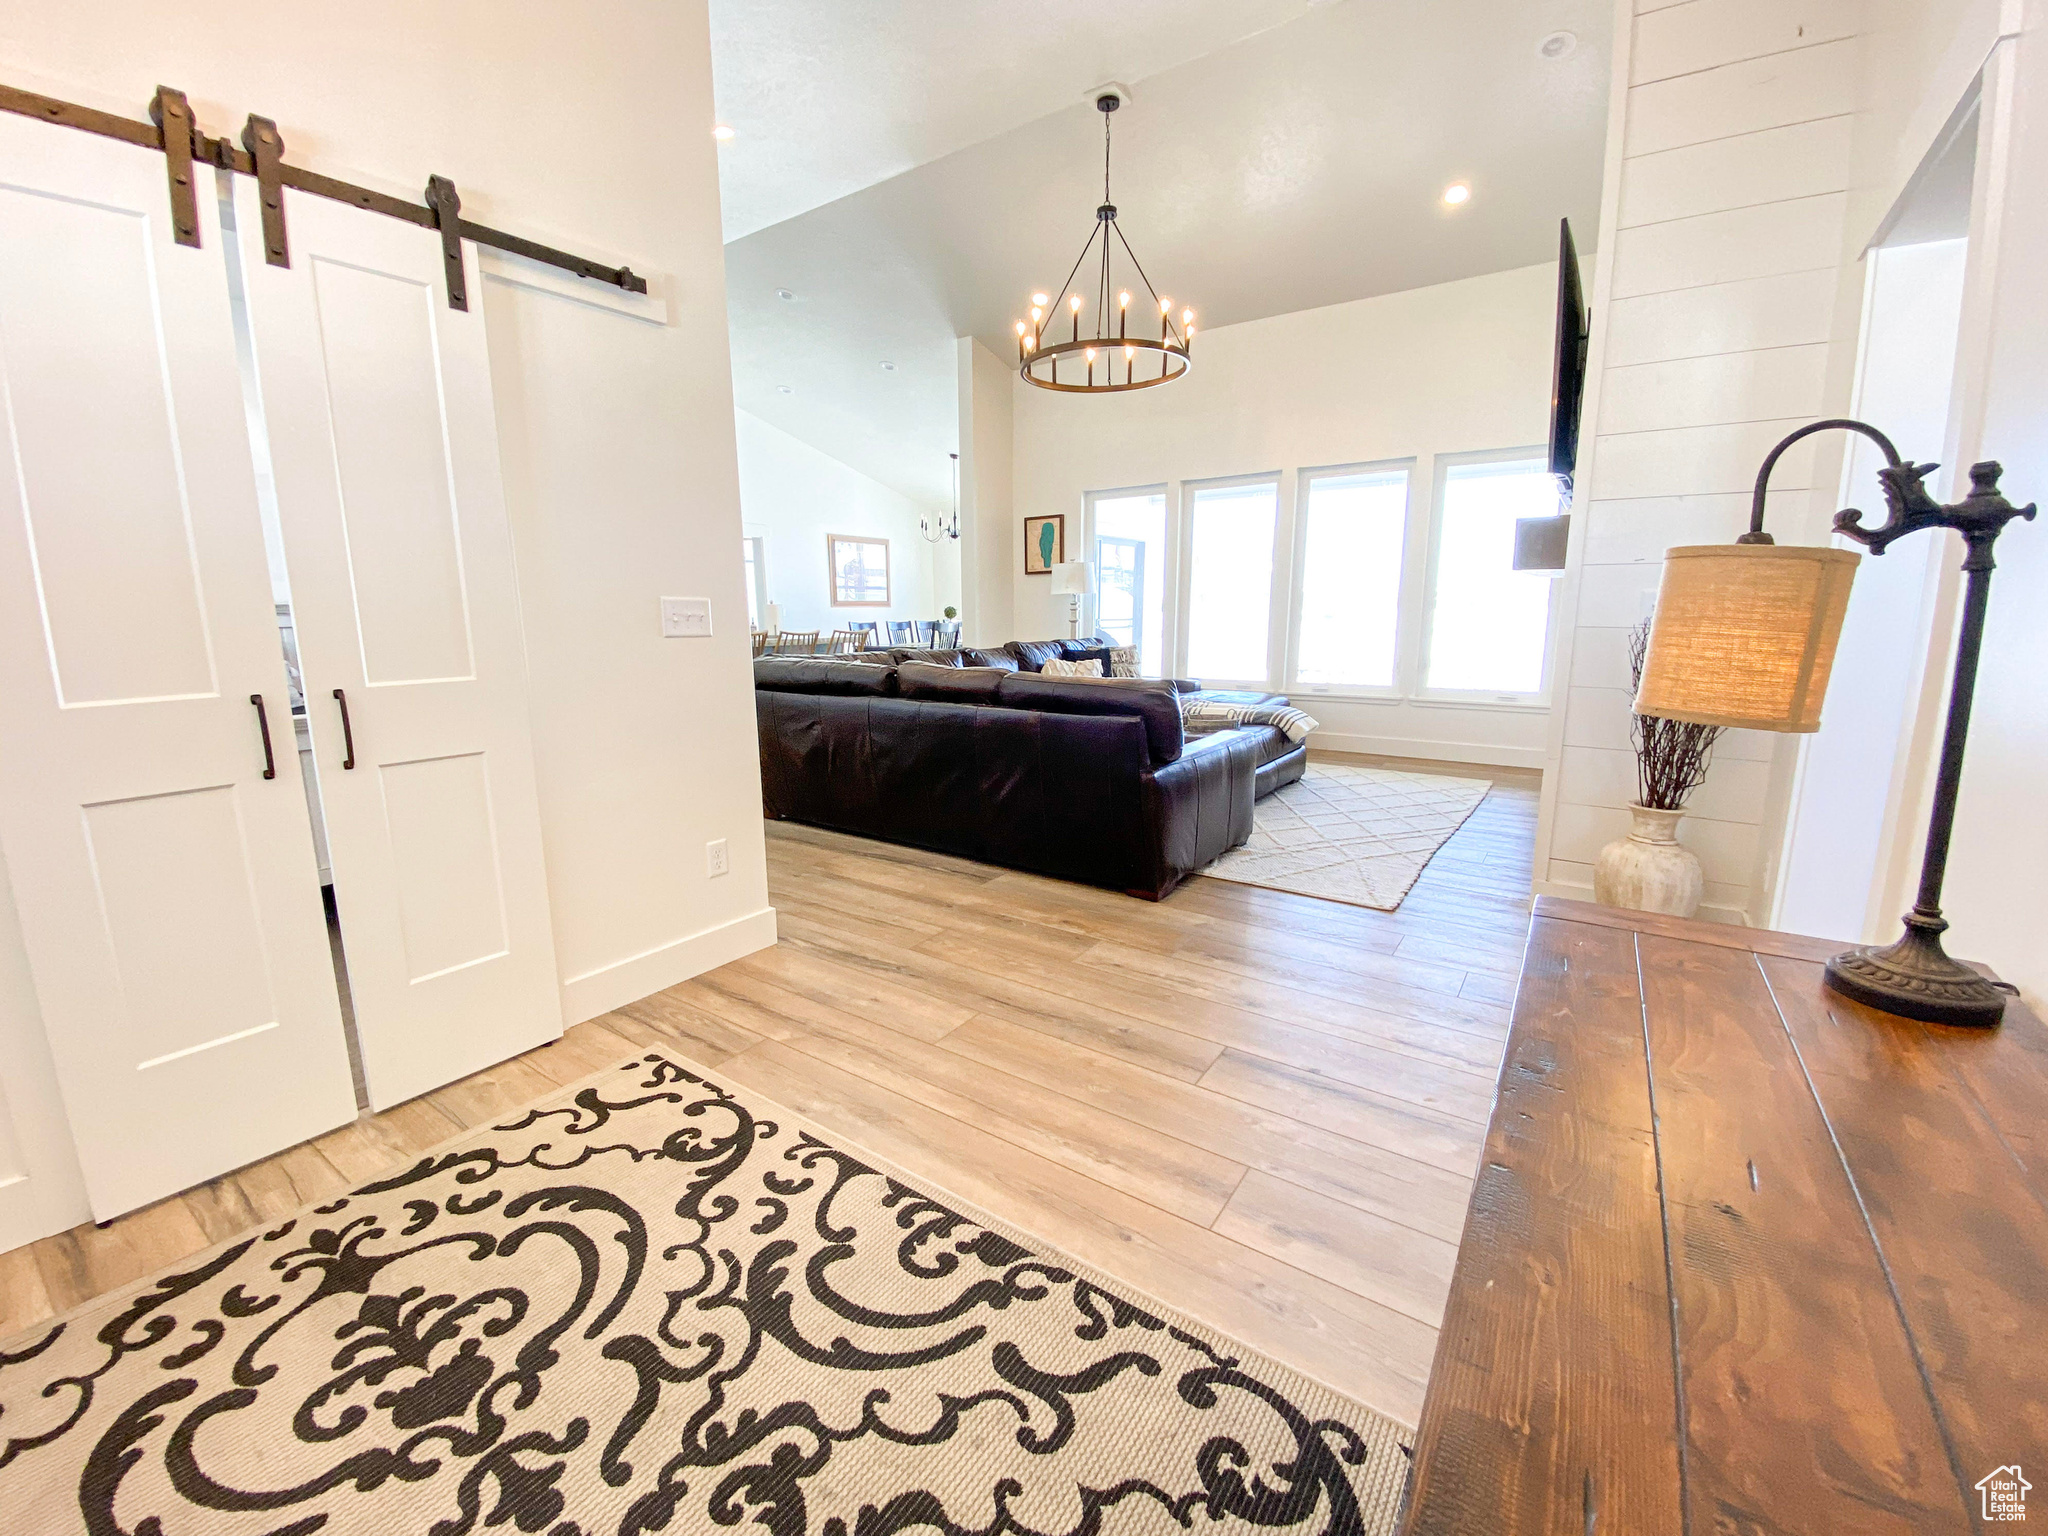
x,y
1045,543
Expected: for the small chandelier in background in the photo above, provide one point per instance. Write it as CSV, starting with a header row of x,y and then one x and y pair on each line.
x,y
1109,361
938,533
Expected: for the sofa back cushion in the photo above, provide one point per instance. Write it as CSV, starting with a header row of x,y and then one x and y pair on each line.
x,y
933,658
1001,660
1033,654
822,674
1153,703
951,685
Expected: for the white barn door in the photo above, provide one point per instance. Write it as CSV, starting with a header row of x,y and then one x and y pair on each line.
x,y
377,401
166,886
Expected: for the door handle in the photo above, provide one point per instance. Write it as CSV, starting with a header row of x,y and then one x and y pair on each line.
x,y
348,734
263,725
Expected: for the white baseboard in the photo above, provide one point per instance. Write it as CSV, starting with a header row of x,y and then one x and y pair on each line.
x,y
1571,890
624,981
1434,751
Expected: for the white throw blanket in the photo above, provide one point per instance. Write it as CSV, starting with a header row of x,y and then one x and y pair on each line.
x,y
1199,714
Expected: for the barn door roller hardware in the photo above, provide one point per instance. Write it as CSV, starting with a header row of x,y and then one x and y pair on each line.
x,y
173,130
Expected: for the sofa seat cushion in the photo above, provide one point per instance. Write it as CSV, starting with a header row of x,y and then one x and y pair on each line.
x,y
1273,742
823,674
1238,695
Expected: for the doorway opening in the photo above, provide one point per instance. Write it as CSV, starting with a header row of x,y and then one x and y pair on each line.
x,y
281,594
1858,807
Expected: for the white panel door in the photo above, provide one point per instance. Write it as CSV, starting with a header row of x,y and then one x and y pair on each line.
x,y
377,401
166,887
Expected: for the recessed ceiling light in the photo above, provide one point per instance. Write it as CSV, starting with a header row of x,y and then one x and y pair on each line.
x,y
785,295
722,132
1457,192
1559,45
888,367
784,389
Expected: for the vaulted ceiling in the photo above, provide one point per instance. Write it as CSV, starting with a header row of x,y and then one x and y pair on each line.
x,y
909,172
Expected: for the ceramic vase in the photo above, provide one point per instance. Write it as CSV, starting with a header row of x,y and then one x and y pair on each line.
x,y
1649,870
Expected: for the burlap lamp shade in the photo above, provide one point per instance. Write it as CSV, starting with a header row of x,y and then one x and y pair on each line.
x,y
1745,635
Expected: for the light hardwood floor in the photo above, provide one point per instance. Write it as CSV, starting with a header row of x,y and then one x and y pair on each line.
x,y
1263,1109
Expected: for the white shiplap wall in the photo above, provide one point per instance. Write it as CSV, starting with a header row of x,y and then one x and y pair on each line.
x,y
1719,328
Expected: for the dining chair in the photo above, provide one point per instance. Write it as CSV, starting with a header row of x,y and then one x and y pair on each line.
x,y
902,632
844,642
870,635
763,640
949,635
796,642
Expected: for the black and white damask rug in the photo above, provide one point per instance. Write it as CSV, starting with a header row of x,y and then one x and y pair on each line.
x,y
654,1304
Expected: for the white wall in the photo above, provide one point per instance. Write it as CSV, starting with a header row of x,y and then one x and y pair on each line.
x,y
990,537
792,496
584,127
1997,895
1844,803
1455,368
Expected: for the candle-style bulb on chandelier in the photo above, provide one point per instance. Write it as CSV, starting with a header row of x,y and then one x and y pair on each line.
x,y
1110,358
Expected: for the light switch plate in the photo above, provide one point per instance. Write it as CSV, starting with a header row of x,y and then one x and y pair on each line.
x,y
685,618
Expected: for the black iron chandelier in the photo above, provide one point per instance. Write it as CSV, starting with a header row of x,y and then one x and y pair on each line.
x,y
938,533
1111,360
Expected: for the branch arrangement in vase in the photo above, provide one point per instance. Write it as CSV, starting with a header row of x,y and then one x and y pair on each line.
x,y
1650,870
1672,756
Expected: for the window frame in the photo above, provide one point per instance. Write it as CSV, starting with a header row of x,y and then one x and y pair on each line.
x,y
832,543
1472,698
1279,596
754,569
1169,573
1414,531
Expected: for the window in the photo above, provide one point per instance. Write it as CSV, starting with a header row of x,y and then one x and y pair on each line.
x,y
1489,624
1352,543
1230,579
757,601
1130,573
860,571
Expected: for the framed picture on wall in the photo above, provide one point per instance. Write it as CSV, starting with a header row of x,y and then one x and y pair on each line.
x,y
858,568
1045,543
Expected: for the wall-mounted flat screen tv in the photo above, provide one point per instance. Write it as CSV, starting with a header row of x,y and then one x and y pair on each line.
x,y
1541,542
1568,378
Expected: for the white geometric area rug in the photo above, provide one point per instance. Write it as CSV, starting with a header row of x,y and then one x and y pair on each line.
x,y
1351,834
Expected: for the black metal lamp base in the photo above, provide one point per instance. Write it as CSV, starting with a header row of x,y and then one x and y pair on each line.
x,y
1916,979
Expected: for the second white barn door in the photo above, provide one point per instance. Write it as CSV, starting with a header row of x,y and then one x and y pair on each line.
x,y
376,400
157,841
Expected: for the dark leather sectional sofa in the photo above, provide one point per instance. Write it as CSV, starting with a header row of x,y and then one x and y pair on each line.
x,y
976,754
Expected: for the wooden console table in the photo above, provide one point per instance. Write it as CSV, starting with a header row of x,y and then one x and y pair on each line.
x,y
1742,1256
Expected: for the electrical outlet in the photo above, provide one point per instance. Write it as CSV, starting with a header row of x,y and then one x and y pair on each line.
x,y
685,618
716,861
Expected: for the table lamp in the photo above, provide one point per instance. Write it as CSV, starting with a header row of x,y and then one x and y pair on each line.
x,y
1744,636
1073,580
